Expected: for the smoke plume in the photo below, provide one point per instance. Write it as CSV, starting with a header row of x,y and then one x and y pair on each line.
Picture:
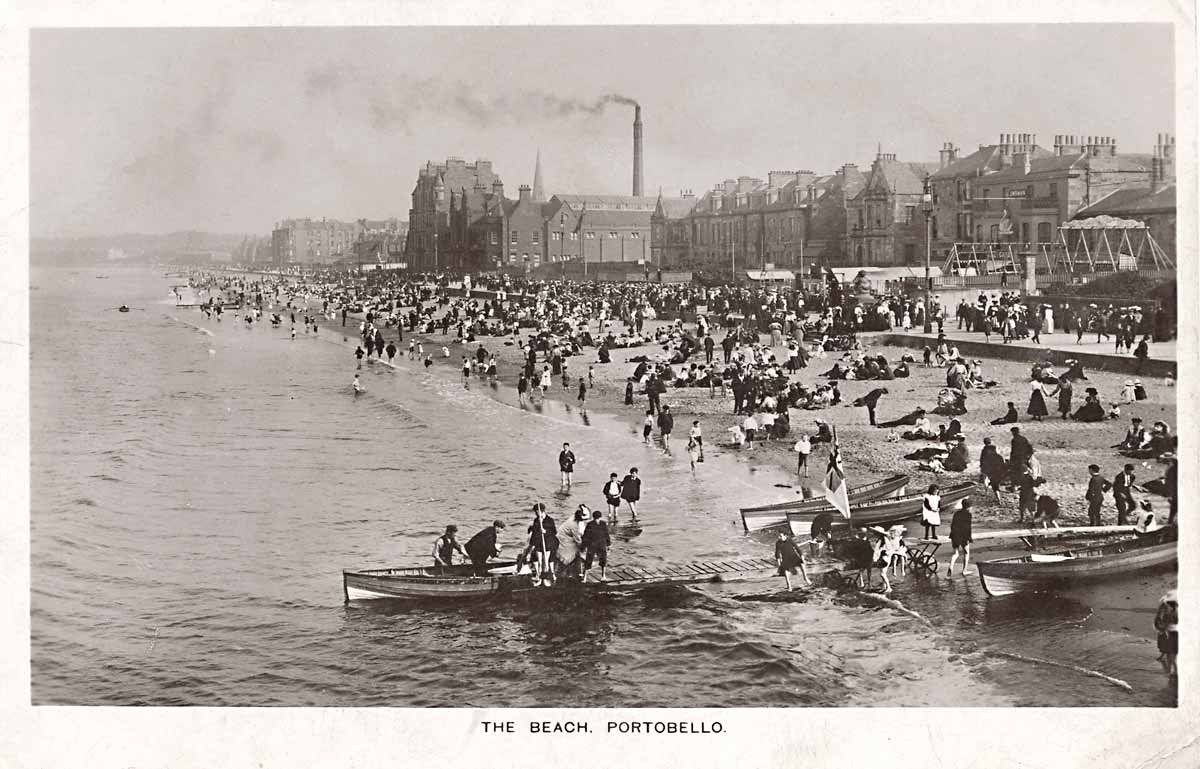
x,y
405,105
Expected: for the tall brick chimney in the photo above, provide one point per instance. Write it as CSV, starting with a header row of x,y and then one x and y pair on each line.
x,y
637,150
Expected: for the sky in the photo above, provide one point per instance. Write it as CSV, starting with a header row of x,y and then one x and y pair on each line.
x,y
232,130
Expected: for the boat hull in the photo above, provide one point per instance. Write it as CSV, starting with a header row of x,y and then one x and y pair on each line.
x,y
884,511
458,583
776,515
1057,571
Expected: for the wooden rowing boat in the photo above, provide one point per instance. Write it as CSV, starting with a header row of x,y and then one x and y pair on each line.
x,y
770,516
881,512
433,583
1046,572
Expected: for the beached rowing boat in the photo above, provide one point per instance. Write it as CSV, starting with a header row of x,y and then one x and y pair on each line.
x,y
883,511
432,583
770,516
1039,572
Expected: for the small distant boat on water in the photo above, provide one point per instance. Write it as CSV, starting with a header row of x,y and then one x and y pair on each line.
x,y
123,308
1045,572
431,583
882,512
776,515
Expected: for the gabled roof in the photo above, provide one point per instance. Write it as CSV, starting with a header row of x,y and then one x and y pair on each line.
x,y
674,208
1132,202
897,177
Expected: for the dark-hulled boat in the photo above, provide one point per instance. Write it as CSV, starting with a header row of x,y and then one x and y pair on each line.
x,y
433,583
882,512
776,514
1047,572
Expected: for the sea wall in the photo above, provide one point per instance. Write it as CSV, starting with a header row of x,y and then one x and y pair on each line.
x,y
1091,361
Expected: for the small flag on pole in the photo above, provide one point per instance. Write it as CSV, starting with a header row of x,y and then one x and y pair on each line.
x,y
835,481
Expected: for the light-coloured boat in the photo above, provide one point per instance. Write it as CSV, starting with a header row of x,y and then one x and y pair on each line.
x,y
1038,572
776,514
883,511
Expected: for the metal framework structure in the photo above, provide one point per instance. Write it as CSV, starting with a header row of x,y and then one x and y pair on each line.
x,y
987,258
1099,244
1103,242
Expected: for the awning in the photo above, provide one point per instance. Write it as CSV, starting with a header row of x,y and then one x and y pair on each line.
x,y
770,275
1104,222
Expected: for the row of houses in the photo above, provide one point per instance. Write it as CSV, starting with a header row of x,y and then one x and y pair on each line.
x,y
1012,191
329,241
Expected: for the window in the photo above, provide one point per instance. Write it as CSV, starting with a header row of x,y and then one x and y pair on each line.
x,y
574,236
555,236
612,235
1024,232
979,233
591,235
910,253
536,237
1029,192
512,237
908,214
1043,231
987,198
635,234
1053,191
994,233
512,257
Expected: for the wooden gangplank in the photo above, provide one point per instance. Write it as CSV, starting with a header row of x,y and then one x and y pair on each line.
x,y
681,573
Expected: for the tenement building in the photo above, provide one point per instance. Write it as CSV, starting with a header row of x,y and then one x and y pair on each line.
x,y
428,244
1020,193
885,225
793,219
313,241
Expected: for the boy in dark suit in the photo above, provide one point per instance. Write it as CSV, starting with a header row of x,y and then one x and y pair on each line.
x,y
1097,486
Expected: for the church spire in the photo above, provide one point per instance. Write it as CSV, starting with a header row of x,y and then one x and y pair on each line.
x,y
539,196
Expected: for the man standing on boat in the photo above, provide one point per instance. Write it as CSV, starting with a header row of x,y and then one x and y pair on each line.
x,y
444,547
483,545
543,544
566,465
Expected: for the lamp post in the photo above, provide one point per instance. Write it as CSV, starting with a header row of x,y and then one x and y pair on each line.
x,y
927,209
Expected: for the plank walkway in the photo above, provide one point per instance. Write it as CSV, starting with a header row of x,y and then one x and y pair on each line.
x,y
704,571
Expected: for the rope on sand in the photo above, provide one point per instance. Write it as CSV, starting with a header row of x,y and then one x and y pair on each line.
x,y
1066,665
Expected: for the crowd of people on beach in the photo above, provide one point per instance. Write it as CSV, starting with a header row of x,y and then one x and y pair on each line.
x,y
750,343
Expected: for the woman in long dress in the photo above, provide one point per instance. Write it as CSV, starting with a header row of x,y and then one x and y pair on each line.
x,y
1037,401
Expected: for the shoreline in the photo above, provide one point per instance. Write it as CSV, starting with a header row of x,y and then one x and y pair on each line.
x,y
867,452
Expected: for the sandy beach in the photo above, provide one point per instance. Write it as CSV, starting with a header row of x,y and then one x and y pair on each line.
x,y
1064,447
